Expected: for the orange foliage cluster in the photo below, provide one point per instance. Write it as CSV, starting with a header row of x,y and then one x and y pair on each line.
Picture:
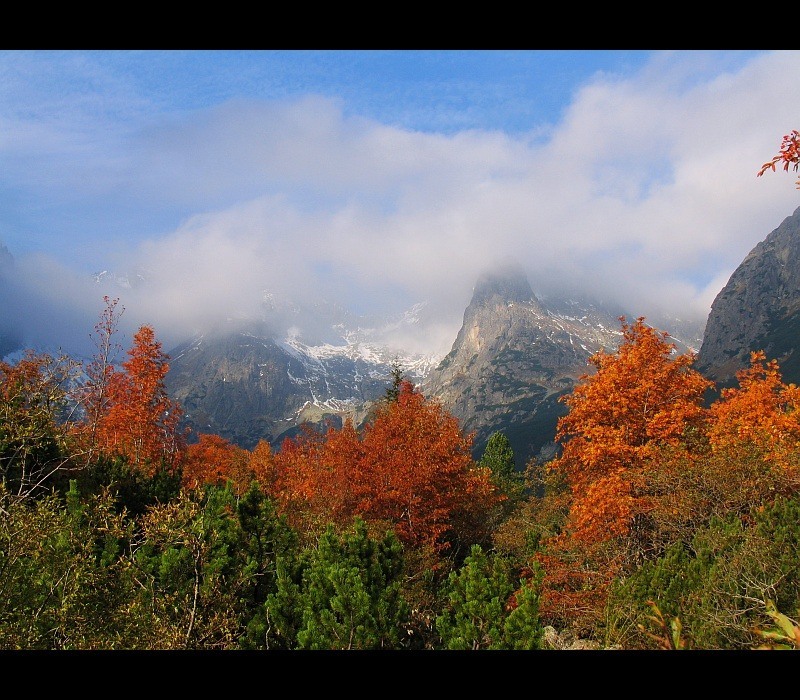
x,y
643,457
574,587
641,397
317,476
128,412
142,422
215,460
762,412
410,466
93,394
23,385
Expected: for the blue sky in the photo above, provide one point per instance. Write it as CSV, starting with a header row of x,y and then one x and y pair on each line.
x,y
382,178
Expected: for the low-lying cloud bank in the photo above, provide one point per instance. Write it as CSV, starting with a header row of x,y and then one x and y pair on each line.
x,y
644,195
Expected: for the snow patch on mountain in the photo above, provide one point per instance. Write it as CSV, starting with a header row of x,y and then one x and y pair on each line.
x,y
366,347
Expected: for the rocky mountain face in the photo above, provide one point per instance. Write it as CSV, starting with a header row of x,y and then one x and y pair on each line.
x,y
758,309
247,383
514,356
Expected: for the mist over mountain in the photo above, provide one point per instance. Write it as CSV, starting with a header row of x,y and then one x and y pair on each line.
x,y
278,362
261,379
514,356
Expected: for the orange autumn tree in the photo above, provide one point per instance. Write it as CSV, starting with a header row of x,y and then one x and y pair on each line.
x,y
762,412
641,398
419,467
92,394
215,460
261,465
316,477
410,467
140,421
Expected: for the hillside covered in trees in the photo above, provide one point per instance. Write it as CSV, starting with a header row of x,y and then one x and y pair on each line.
x,y
667,520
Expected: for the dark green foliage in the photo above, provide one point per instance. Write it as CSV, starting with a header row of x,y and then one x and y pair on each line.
x,y
277,621
478,614
347,595
133,490
499,457
718,587
523,629
265,536
187,569
778,526
268,548
396,374
352,593
207,563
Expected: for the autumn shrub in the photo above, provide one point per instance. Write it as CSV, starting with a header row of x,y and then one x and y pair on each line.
x,y
133,490
63,573
127,411
215,460
535,519
34,449
718,583
788,155
410,466
641,398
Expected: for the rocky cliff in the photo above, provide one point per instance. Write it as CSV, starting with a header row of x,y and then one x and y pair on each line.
x,y
758,309
514,356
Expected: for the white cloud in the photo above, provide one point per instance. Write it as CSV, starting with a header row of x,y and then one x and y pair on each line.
x,y
645,193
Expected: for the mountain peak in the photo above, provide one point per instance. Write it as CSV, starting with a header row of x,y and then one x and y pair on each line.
x,y
509,282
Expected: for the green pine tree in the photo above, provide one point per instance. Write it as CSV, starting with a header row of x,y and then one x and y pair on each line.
x,y
348,594
477,596
498,456
522,629
396,374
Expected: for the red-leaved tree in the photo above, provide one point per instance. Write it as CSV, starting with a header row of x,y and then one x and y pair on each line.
x,y
215,460
139,421
762,412
642,399
93,393
410,467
